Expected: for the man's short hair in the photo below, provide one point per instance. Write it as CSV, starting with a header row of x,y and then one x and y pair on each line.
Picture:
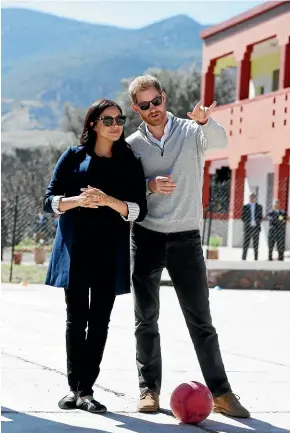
x,y
141,83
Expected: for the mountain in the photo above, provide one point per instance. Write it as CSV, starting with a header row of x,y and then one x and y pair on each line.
x,y
48,61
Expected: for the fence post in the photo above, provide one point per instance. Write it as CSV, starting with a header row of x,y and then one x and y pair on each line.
x,y
13,237
210,209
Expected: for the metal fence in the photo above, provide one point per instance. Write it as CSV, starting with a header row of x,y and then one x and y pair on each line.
x,y
258,232
27,233
25,230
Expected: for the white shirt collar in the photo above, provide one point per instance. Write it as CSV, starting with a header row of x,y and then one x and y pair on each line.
x,y
167,130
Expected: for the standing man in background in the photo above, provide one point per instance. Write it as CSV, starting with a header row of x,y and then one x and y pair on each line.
x,y
41,227
277,227
252,217
172,151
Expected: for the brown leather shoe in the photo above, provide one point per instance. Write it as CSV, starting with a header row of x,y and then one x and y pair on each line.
x,y
228,404
149,401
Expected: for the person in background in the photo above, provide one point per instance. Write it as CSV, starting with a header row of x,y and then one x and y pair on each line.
x,y
98,188
252,217
41,227
55,220
172,151
277,228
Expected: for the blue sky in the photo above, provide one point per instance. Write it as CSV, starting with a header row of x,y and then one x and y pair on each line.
x,y
119,12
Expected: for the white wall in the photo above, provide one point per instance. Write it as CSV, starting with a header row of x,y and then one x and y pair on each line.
x,y
217,165
257,169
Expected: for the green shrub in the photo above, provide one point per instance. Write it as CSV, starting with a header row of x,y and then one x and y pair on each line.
x,y
215,242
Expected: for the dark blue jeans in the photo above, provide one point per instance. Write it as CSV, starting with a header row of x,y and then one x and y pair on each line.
x,y
182,255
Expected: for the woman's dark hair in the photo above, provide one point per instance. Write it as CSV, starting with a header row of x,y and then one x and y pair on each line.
x,y
88,137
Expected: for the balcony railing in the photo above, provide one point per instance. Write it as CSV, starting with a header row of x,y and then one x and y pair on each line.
x,y
258,125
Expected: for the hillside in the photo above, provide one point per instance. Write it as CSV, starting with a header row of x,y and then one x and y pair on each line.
x,y
48,61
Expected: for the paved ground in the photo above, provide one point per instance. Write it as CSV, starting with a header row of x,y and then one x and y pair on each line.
x,y
254,331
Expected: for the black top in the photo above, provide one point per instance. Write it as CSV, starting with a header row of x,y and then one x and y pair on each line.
x,y
96,240
277,219
247,214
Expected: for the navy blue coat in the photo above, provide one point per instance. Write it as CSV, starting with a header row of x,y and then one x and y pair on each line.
x,y
65,182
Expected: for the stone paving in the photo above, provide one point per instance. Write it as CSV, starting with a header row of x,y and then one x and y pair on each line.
x,y
253,327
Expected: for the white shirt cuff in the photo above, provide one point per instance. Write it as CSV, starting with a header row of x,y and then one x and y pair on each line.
x,y
133,211
55,204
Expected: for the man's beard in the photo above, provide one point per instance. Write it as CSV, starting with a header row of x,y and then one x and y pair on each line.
x,y
156,121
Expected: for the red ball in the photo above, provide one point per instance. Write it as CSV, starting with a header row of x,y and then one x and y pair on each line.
x,y
191,402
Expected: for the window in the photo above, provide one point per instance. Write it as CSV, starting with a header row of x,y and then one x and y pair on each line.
x,y
275,80
260,90
220,190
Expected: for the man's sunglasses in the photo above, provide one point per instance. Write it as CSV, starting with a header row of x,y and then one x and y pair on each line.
x,y
145,105
109,120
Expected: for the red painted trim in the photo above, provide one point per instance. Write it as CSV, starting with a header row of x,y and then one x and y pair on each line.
x,y
244,76
221,216
284,79
237,189
281,179
207,87
245,16
206,184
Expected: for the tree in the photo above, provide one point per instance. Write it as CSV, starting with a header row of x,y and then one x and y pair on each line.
x,y
72,121
26,174
225,86
26,171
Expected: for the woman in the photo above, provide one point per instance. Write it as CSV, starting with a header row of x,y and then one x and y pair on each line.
x,y
98,188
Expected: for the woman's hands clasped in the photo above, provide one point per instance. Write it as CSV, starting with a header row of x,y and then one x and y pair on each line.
x,y
93,198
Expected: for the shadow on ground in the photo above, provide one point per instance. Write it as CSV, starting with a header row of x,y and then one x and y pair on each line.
x,y
17,422
210,426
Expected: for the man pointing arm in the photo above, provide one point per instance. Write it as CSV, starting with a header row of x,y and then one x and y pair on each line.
x,y
211,135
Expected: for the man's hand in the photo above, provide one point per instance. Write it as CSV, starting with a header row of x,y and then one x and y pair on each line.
x,y
200,113
162,185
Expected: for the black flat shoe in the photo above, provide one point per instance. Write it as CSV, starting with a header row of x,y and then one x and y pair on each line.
x,y
68,402
89,404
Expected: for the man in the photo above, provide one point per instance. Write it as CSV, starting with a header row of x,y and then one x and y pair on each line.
x,y
172,152
41,227
252,217
277,227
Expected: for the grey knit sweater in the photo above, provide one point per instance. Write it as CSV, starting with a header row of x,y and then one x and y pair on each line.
x,y
183,157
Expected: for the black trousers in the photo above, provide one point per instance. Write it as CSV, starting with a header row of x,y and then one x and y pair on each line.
x,y
86,333
182,255
276,236
251,233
